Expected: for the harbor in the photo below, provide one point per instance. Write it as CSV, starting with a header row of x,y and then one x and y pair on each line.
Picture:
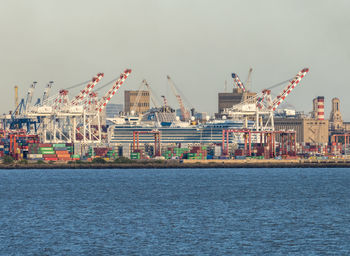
x,y
249,125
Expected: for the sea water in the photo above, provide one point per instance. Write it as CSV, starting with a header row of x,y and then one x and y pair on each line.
x,y
175,212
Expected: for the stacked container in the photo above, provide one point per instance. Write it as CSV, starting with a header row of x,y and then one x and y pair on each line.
x,y
135,155
61,152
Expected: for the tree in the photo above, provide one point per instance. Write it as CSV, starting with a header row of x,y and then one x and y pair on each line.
x,y
7,159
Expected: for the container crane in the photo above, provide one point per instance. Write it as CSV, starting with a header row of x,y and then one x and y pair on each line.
x,y
264,105
184,113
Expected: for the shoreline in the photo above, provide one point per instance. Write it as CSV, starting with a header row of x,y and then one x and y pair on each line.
x,y
342,163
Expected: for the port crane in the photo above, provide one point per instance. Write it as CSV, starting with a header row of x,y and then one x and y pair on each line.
x,y
264,105
154,99
238,82
77,120
248,81
184,112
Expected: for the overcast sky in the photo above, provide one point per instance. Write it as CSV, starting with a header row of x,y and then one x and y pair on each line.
x,y
198,43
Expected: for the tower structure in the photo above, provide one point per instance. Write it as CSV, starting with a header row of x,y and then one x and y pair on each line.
x,y
320,108
335,119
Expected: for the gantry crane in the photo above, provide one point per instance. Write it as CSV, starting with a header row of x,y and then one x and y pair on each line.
x,y
264,105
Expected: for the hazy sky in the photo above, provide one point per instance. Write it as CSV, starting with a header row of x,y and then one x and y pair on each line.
x,y
198,43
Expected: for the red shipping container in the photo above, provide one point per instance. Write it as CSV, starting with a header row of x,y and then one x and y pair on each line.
x,y
50,158
49,155
45,145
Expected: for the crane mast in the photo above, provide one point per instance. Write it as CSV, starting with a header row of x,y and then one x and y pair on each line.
x,y
185,114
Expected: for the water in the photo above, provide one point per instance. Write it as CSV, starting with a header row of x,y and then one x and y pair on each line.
x,y
175,212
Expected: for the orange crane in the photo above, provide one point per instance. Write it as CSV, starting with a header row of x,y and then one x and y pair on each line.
x,y
184,112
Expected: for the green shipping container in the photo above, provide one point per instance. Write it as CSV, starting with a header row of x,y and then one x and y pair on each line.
x,y
60,145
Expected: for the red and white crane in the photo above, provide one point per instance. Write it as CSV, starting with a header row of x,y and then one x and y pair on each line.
x,y
62,100
288,89
86,91
238,82
107,97
184,112
91,101
273,104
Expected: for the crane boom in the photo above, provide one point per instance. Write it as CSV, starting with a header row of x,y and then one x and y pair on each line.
x,y
185,114
248,81
107,97
287,90
238,82
138,97
30,94
153,99
85,92
47,91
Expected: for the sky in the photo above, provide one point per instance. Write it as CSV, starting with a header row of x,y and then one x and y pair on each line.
x,y
197,43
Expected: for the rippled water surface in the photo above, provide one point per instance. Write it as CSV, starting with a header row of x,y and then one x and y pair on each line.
x,y
175,212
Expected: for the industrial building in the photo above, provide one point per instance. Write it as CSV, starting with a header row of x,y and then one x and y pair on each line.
x,y
308,130
137,101
229,99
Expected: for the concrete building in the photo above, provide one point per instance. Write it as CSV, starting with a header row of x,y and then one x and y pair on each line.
x,y
308,130
335,118
229,99
130,98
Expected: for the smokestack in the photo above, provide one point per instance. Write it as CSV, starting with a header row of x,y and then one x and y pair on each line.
x,y
320,108
314,108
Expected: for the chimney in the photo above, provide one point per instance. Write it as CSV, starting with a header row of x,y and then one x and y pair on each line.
x,y
320,108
